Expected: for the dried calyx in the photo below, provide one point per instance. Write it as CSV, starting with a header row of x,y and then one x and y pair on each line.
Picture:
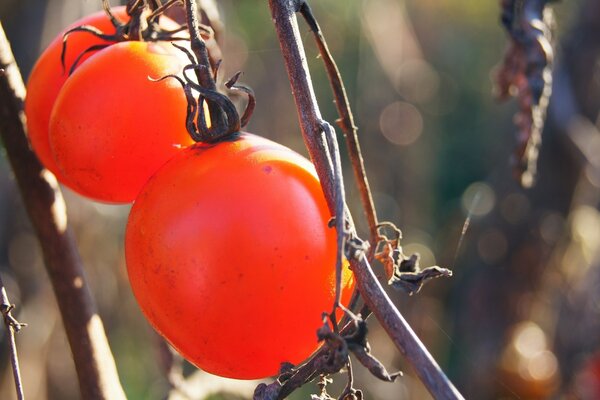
x,y
403,272
142,25
223,121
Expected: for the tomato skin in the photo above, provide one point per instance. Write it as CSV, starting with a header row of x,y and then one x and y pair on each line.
x,y
112,127
230,258
47,78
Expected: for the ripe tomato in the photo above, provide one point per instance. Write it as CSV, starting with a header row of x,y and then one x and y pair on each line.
x,y
230,257
112,127
47,78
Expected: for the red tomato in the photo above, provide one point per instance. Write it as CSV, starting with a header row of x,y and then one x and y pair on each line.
x,y
112,127
47,78
230,257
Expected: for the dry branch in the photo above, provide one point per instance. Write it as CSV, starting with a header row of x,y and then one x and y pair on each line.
x,y
45,205
286,25
12,327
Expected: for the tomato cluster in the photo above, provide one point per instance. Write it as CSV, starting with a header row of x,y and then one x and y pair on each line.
x,y
106,128
228,248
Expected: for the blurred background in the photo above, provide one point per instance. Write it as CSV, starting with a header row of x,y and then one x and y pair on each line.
x,y
520,318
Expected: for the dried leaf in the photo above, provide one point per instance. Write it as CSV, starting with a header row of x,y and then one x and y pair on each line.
x,y
412,282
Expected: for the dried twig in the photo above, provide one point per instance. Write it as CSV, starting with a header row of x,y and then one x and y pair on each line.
x,y
346,124
283,13
206,74
12,326
43,200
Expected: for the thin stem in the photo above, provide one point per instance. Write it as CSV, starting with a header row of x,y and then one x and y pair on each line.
x,y
12,326
94,363
137,24
388,315
211,17
309,114
401,333
346,124
349,389
340,203
205,74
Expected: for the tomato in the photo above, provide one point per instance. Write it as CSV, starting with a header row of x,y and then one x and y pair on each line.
x,y
112,127
230,257
47,78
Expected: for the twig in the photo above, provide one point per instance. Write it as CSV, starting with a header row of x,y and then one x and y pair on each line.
x,y
205,74
346,124
286,25
340,220
45,205
12,326
209,14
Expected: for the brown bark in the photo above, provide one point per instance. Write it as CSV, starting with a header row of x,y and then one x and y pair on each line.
x,y
45,205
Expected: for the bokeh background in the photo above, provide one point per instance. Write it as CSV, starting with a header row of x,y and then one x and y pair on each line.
x,y
520,318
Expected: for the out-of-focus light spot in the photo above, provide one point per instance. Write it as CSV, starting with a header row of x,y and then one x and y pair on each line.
x,y
78,282
514,207
584,134
527,364
572,263
551,227
529,339
417,81
585,226
586,223
478,199
592,173
427,258
390,34
542,366
401,123
492,245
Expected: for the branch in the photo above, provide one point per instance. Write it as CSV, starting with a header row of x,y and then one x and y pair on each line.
x,y
45,205
206,74
311,123
346,124
12,326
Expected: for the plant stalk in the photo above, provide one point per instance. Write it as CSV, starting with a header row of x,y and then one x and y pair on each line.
x,y
94,363
286,26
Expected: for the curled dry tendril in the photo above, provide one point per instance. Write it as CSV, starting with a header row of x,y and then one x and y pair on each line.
x,y
141,26
196,119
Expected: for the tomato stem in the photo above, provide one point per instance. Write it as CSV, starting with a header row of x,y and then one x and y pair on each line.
x,y
12,327
346,124
142,26
224,118
286,26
